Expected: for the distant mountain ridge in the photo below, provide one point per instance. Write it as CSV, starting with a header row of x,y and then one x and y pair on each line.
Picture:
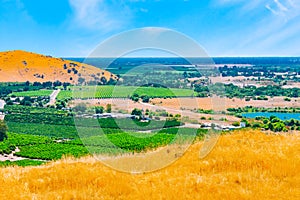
x,y
21,66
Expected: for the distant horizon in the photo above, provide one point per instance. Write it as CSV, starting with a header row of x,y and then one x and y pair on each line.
x,y
66,57
86,57
229,56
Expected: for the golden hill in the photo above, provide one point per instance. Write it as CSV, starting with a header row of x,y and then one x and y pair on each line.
x,y
21,66
243,165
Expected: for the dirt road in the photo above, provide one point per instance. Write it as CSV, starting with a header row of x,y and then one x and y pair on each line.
x,y
53,97
2,104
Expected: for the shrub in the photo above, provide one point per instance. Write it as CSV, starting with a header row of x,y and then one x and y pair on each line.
x,y
108,108
81,107
256,125
236,124
145,99
135,97
137,112
99,109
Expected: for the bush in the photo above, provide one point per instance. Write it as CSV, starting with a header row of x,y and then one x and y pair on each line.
x,y
81,107
145,99
236,124
99,109
108,108
137,112
256,125
135,97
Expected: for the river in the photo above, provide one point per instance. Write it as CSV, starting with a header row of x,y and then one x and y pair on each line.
x,y
282,116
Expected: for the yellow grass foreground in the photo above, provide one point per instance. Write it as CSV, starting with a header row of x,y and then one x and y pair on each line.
x,y
243,165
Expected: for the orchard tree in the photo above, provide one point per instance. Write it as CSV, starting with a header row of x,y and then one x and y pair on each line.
x,y
137,112
99,109
108,108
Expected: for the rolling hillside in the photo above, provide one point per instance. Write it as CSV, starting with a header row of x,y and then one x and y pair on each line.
x,y
245,164
21,66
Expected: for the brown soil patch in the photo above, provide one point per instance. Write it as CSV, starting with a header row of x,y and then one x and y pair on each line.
x,y
220,104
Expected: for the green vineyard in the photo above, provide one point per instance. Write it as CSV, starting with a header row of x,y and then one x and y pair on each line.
x,y
122,92
35,93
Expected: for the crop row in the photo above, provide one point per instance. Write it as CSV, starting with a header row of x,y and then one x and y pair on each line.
x,y
22,163
122,92
46,148
125,124
34,93
18,109
57,131
14,140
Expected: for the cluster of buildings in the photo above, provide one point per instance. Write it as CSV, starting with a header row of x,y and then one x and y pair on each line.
x,y
222,127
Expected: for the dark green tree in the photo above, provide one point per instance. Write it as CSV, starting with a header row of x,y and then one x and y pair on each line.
x,y
137,112
99,109
3,129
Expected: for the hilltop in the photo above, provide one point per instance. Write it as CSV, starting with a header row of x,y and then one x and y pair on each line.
x,y
22,66
245,164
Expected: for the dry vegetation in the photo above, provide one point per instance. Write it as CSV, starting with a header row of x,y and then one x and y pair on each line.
x,y
219,104
25,66
244,165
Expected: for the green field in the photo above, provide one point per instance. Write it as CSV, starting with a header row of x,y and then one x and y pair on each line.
x,y
22,163
48,148
50,134
108,91
122,92
35,93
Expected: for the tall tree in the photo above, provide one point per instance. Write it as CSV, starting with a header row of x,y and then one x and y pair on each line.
x,y
3,129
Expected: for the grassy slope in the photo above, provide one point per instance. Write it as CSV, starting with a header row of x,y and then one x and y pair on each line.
x,y
21,66
245,165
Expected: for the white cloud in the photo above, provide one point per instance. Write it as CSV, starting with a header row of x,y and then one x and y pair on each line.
x,y
100,15
271,9
268,31
281,7
277,8
286,9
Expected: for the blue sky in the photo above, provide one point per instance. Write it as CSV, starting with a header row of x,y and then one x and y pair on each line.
x,y
222,27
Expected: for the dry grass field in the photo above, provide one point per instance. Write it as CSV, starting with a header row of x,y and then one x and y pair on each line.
x,y
220,104
245,164
25,66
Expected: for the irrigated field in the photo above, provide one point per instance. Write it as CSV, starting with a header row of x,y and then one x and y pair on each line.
x,y
122,92
37,93
49,134
244,165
